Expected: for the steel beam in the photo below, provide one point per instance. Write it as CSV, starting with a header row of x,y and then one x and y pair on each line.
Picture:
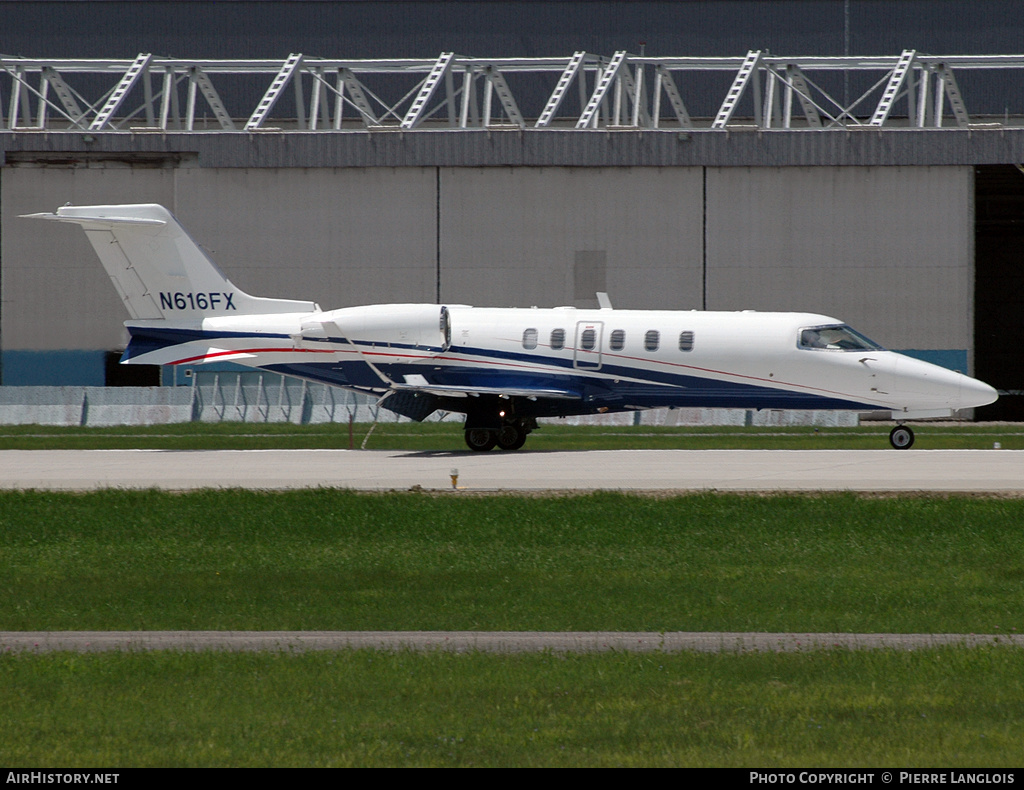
x,y
747,72
283,77
38,93
892,89
604,82
117,96
433,79
558,94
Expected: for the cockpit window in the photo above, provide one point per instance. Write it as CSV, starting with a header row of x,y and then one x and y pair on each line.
x,y
836,337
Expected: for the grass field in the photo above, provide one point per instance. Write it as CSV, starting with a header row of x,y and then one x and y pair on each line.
x,y
330,559
448,437
929,709
340,560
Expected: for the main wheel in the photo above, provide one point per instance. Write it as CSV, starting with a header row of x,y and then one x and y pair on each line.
x,y
511,437
480,440
901,437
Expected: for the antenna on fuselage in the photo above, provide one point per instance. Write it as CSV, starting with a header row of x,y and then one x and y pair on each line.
x,y
603,301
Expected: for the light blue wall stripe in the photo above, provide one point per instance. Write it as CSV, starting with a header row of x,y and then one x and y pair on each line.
x,y
53,368
952,358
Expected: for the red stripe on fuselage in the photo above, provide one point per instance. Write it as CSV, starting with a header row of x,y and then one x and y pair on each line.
x,y
205,357
474,359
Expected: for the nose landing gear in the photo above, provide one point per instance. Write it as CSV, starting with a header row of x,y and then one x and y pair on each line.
x,y
901,437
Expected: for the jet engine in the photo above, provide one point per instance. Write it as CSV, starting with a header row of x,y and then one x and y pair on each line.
x,y
422,326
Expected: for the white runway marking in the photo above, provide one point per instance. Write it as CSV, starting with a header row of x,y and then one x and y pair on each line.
x,y
969,471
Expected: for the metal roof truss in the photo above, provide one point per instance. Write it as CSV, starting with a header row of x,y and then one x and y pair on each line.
x,y
624,91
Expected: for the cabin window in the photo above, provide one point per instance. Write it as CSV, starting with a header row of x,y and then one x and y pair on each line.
x,y
652,339
617,341
530,338
686,341
588,339
557,339
835,337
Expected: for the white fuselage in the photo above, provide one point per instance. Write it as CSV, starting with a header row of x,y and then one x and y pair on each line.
x,y
598,360
502,368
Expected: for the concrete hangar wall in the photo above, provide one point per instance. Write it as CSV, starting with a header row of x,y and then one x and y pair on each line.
x,y
888,229
888,249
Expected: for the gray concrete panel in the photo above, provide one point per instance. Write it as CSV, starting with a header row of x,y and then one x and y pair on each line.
x,y
516,237
55,292
339,237
889,250
95,406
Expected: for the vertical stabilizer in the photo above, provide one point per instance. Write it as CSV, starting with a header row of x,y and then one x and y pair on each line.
x,y
158,270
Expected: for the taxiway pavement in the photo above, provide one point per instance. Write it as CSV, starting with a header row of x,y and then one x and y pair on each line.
x,y
967,471
482,641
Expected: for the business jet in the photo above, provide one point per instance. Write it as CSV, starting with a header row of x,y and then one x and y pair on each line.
x,y
504,367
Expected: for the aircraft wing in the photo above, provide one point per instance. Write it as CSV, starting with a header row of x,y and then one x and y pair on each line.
x,y
418,383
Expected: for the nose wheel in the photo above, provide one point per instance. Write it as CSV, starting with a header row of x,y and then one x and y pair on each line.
x,y
901,437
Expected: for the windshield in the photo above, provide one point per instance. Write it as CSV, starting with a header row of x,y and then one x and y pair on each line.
x,y
836,337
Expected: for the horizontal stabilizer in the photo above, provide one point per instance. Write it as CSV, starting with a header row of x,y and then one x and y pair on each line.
x,y
83,219
158,270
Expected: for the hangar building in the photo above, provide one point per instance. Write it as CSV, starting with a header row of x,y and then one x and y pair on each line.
x,y
850,157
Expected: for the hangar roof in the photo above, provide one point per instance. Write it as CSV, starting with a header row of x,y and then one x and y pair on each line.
x,y
581,109
579,90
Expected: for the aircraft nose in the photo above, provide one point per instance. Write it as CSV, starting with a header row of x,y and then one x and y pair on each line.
x,y
975,393
928,386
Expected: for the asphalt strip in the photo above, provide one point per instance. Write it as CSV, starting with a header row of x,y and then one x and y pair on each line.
x,y
884,471
481,641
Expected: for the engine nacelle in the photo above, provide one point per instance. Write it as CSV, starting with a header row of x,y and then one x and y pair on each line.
x,y
393,325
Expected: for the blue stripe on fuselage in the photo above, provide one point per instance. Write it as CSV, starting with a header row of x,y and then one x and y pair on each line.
x,y
656,388
146,339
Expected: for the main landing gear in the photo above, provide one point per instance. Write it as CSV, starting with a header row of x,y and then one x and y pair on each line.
x,y
480,439
901,437
511,436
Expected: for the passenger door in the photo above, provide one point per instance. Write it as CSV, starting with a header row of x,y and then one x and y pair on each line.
x,y
587,348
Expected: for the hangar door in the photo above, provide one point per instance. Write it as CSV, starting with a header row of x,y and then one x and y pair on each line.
x,y
999,288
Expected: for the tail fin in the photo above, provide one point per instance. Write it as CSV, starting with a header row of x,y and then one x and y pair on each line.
x,y
158,270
